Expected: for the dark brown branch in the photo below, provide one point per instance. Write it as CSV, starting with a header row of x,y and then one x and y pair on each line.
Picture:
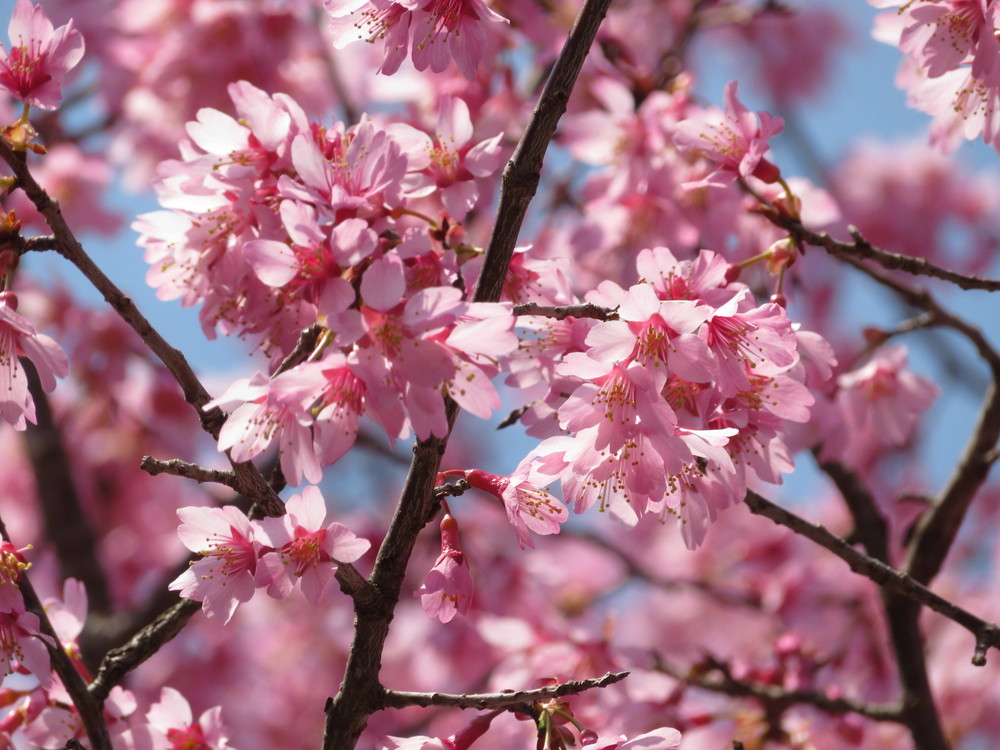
x,y
66,525
90,710
118,662
482,701
937,528
861,249
561,312
774,696
939,316
870,527
879,572
360,691
453,489
175,466
917,709
523,171
308,339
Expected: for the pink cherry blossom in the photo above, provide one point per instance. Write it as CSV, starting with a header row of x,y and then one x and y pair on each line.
x,y
273,409
528,507
449,164
18,338
658,739
39,57
749,341
447,589
735,141
303,550
12,565
223,577
173,722
883,400
22,644
440,30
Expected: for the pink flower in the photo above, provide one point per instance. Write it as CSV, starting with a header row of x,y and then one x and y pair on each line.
x,y
441,30
23,644
12,565
171,718
18,338
303,550
735,142
39,57
528,508
658,739
224,576
273,409
449,164
882,400
447,589
758,341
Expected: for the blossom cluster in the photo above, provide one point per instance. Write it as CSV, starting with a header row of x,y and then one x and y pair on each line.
x,y
275,224
677,405
238,555
952,64
438,32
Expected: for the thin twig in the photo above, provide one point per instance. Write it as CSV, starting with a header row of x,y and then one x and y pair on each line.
x,y
175,466
775,696
89,709
987,633
504,699
305,345
118,662
862,249
561,312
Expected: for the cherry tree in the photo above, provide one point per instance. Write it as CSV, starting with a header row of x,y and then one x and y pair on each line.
x,y
570,416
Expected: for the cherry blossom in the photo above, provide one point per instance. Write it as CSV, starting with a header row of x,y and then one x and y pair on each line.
x,y
528,507
18,338
39,57
22,644
437,31
12,565
273,409
223,577
173,721
298,548
882,401
735,141
447,589
452,163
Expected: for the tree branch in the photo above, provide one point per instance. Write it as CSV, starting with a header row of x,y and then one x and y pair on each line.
x,y
861,249
179,468
987,633
936,529
118,662
505,699
561,312
774,696
870,527
90,710
359,694
66,525
523,171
